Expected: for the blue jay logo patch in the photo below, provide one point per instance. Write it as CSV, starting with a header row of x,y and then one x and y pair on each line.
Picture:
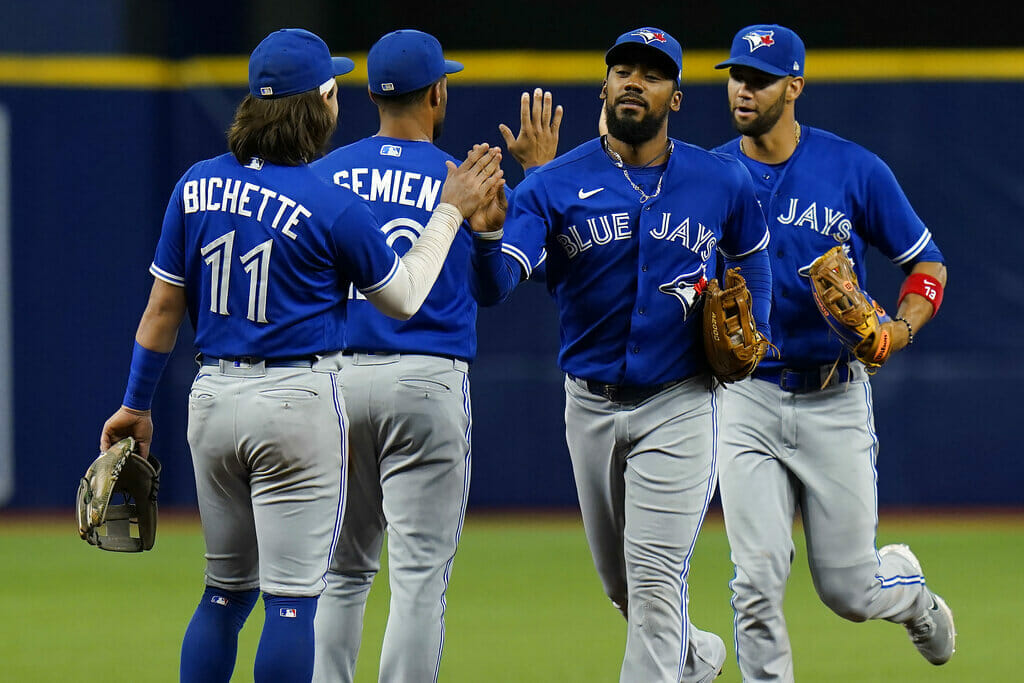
x,y
759,38
687,288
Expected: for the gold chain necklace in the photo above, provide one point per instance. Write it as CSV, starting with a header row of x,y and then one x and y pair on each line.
x,y
617,160
796,136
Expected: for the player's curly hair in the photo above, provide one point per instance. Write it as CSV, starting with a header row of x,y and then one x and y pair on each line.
x,y
286,131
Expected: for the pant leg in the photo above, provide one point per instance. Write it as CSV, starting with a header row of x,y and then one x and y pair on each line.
x,y
758,500
222,486
838,447
356,558
425,473
292,435
645,475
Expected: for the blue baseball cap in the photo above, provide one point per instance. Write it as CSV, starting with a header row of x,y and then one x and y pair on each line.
x,y
649,37
291,61
770,48
406,60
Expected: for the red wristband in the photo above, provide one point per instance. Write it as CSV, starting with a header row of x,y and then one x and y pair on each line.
x,y
925,285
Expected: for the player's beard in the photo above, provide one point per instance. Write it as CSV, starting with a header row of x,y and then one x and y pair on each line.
x,y
764,121
634,131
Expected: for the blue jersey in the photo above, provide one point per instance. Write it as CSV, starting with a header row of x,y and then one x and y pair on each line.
x,y
266,254
626,275
402,180
831,191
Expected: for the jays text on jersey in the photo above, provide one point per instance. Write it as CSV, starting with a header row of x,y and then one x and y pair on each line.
x,y
830,191
625,274
402,179
258,265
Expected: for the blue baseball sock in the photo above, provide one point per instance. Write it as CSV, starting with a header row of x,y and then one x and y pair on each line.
x,y
211,640
285,654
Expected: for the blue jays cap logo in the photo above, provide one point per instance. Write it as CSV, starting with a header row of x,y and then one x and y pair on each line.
x,y
687,288
650,36
759,38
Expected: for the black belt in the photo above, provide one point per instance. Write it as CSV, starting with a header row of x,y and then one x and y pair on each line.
x,y
805,380
353,352
623,393
306,362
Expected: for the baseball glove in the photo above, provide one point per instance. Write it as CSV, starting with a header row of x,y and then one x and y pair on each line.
x,y
854,316
130,526
732,343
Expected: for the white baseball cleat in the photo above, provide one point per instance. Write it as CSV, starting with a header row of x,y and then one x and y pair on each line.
x,y
716,658
933,633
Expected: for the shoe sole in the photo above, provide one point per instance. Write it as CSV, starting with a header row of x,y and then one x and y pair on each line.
x,y
944,608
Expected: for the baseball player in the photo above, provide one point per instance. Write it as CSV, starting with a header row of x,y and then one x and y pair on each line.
x,y
801,432
630,226
406,382
261,253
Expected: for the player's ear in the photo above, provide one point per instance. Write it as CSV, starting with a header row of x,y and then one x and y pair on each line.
x,y
677,100
794,88
604,90
436,93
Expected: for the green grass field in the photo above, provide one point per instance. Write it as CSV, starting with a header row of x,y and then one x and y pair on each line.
x,y
524,605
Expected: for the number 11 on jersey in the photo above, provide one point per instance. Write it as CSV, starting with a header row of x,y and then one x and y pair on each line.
x,y
218,255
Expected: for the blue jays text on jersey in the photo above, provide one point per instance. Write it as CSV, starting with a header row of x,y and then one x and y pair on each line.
x,y
266,254
830,191
402,180
625,274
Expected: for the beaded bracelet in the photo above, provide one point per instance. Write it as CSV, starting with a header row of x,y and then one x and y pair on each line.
x,y
910,330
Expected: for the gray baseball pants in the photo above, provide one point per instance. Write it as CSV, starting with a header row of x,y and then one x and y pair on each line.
x,y
268,447
816,450
645,474
409,476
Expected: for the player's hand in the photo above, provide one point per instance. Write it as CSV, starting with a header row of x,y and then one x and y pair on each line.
x,y
490,216
475,180
537,142
128,422
898,335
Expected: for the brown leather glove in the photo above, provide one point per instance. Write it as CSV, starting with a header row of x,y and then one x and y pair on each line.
x,y
732,342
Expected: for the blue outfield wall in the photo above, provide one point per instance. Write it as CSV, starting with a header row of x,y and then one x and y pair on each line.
x,y
91,170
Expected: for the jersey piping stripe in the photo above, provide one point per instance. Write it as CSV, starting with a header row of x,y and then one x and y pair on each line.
x,y
467,408
918,247
519,256
388,278
760,245
157,272
540,67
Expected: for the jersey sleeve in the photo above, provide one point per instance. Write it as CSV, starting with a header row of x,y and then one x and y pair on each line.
x,y
526,225
364,256
890,221
746,230
169,261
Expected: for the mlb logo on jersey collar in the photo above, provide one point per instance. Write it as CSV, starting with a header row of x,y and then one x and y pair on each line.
x,y
390,151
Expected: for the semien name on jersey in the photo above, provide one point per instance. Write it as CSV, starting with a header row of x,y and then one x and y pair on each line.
x,y
249,200
391,185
